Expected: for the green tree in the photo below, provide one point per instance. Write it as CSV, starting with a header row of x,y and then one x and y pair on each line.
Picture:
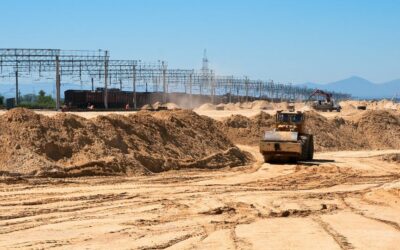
x,y
37,101
44,100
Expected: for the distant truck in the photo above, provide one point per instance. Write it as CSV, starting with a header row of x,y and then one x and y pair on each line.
x,y
287,142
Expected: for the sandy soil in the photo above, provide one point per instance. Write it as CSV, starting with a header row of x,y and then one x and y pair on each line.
x,y
222,114
216,114
342,200
87,115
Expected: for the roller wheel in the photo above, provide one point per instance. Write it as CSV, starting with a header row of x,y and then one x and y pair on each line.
x,y
310,148
304,147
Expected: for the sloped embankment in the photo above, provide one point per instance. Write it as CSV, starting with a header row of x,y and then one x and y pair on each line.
x,y
69,145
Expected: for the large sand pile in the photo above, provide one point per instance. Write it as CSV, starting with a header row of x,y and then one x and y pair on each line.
x,y
370,105
381,129
206,107
261,104
333,134
373,130
347,106
255,105
243,130
68,145
171,105
383,104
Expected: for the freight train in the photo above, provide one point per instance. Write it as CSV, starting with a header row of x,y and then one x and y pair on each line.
x,y
81,99
117,99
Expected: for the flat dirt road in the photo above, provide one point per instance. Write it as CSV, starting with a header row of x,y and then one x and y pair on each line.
x,y
342,200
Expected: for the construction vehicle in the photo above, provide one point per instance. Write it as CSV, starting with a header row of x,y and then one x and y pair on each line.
x,y
288,142
323,105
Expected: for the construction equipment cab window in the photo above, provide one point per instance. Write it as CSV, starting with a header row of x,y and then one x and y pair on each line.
x,y
297,118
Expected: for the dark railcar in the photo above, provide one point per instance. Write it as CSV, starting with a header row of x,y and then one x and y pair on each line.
x,y
83,98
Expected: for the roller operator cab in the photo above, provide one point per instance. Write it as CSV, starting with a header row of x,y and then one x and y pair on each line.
x,y
288,142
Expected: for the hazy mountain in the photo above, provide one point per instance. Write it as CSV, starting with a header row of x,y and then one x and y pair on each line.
x,y
360,87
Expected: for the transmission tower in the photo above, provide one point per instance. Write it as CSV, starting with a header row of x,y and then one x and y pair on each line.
x,y
204,68
205,73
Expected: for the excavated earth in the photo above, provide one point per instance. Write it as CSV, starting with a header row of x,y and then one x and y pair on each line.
x,y
375,129
214,196
69,145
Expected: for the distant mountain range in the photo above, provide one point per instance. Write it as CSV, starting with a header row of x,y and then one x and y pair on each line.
x,y
360,87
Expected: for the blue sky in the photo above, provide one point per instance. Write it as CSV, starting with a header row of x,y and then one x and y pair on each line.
x,y
288,40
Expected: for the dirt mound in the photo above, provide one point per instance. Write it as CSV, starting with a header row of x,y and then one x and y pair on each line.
x,y
230,106
206,106
373,130
220,106
146,142
246,105
370,105
168,105
348,105
333,134
380,128
382,104
254,105
156,105
171,105
262,105
147,107
244,130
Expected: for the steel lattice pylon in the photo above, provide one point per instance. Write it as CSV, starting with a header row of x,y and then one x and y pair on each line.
x,y
91,65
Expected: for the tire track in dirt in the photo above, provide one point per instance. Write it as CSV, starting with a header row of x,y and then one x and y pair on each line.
x,y
182,211
393,224
239,243
341,240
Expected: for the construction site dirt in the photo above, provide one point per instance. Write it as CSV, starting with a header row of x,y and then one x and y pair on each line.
x,y
196,180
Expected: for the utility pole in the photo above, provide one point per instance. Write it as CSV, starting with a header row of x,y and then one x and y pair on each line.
x,y
105,80
237,90
164,73
92,84
212,86
58,83
190,89
16,85
246,82
109,82
230,89
134,85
